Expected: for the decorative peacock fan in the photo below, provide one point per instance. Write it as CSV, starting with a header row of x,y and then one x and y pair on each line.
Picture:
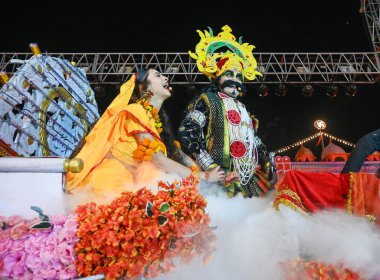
x,y
46,108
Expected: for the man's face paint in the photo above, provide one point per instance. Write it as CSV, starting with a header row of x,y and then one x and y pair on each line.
x,y
231,83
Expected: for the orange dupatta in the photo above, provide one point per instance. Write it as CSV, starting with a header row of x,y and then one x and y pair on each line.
x,y
98,141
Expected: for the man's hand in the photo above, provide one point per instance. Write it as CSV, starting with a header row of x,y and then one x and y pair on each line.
x,y
231,176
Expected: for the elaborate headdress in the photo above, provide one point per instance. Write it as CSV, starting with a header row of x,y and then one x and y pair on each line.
x,y
212,62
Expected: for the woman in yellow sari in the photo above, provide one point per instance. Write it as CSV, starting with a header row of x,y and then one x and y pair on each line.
x,y
125,151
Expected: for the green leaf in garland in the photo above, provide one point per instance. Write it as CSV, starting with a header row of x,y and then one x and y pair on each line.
x,y
44,218
171,193
41,214
172,245
3,225
148,209
164,207
41,225
37,209
162,220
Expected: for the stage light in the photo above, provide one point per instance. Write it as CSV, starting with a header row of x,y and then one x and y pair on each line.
x,y
350,90
281,90
307,91
332,91
262,90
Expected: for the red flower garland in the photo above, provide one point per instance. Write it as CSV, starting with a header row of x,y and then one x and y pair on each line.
x,y
312,270
139,233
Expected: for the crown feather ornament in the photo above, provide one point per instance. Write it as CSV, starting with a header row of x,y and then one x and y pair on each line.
x,y
213,61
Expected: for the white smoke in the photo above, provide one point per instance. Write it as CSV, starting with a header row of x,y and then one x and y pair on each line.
x,y
254,238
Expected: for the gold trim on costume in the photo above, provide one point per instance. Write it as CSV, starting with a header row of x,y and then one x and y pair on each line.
x,y
287,191
289,204
349,198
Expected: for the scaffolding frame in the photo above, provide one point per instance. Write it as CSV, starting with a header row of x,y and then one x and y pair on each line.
x,y
287,68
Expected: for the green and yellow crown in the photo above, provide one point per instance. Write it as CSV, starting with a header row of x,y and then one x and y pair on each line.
x,y
212,62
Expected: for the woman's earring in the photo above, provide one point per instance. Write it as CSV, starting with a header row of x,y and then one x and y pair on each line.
x,y
147,94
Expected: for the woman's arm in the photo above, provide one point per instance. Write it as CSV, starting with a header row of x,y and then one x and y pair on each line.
x,y
169,165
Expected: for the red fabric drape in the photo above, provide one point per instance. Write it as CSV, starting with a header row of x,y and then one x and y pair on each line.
x,y
308,192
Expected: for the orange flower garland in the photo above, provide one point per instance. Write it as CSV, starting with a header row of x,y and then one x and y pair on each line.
x,y
312,270
140,233
147,148
153,111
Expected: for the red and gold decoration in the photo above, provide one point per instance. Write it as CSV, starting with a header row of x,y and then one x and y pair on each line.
x,y
357,193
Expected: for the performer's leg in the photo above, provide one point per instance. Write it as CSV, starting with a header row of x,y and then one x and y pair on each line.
x,y
368,144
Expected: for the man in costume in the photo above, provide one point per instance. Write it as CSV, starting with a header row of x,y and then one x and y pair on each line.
x,y
218,129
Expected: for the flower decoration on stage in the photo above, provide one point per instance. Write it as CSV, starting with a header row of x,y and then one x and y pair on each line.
x,y
216,54
307,269
40,248
141,233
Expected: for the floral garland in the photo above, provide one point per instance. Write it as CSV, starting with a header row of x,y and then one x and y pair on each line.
x,y
146,149
137,234
43,248
312,270
140,233
153,111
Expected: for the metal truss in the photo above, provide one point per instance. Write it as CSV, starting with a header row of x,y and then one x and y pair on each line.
x,y
287,68
371,12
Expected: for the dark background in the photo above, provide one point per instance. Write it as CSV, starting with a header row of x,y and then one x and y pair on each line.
x,y
160,26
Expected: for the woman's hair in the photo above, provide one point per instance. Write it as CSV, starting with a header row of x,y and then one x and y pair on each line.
x,y
167,134
141,84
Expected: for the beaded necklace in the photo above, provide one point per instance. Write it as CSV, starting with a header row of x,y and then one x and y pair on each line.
x,y
153,111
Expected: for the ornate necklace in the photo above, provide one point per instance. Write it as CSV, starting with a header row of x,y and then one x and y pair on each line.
x,y
153,111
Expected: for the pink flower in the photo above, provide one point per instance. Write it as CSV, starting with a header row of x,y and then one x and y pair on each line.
x,y
68,273
69,230
13,220
58,219
33,262
5,234
19,230
48,273
14,264
4,247
17,245
66,253
33,243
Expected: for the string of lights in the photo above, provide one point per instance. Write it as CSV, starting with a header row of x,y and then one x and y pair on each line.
x,y
305,140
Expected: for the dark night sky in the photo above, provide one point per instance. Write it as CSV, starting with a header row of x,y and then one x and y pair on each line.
x,y
272,26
